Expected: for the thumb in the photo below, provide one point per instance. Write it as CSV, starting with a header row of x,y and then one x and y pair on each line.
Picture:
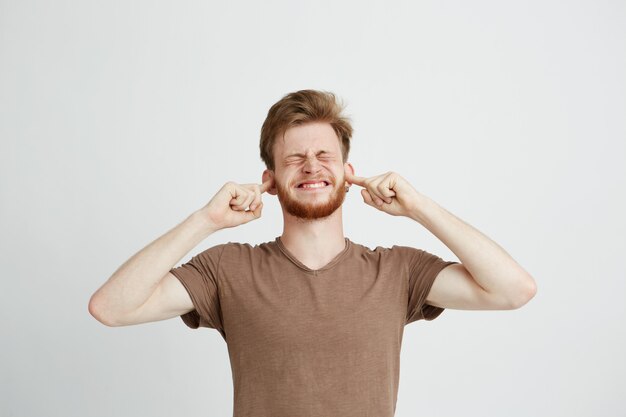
x,y
250,215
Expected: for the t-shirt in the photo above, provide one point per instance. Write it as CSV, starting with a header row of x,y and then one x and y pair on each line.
x,y
311,343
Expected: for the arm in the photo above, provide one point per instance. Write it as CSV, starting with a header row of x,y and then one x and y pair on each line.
x,y
137,279
488,278
143,289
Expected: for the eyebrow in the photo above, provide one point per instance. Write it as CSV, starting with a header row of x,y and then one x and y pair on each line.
x,y
301,154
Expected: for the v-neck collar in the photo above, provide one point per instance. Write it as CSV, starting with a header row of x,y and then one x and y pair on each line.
x,y
302,266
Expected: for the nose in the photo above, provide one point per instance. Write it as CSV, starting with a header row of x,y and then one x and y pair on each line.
x,y
311,165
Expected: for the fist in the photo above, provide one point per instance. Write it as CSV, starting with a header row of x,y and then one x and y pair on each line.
x,y
235,204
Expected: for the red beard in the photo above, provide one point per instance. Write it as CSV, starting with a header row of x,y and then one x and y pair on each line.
x,y
296,204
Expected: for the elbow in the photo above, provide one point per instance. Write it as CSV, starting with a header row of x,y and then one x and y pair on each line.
x,y
524,294
96,312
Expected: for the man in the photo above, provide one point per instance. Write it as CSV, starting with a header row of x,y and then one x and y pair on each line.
x,y
313,321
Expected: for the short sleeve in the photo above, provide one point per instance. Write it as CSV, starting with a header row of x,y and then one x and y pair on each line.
x,y
423,270
199,276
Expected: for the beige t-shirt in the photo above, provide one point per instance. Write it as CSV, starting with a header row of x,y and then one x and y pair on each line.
x,y
311,343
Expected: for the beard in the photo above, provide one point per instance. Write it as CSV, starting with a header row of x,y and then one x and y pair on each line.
x,y
318,208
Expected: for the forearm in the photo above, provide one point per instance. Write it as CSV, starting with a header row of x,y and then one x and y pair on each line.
x,y
137,278
488,263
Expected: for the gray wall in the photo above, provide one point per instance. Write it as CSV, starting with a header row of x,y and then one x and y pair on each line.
x,y
121,118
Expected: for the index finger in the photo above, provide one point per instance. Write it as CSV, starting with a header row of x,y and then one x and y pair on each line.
x,y
266,185
353,179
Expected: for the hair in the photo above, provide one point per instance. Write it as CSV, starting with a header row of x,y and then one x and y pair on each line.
x,y
302,107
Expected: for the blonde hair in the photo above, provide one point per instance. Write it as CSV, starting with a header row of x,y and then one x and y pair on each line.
x,y
302,107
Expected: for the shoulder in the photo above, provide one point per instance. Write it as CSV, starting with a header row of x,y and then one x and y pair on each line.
x,y
395,252
238,249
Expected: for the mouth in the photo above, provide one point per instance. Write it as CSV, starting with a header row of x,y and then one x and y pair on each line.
x,y
313,186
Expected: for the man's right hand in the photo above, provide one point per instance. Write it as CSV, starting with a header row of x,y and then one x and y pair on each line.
x,y
228,208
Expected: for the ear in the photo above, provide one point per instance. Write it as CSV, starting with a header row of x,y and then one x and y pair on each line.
x,y
267,175
347,167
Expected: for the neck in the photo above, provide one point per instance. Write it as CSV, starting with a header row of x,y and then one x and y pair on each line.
x,y
314,242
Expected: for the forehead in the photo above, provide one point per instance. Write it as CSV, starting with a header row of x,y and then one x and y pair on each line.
x,y
309,137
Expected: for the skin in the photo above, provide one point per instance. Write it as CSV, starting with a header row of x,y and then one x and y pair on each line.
x,y
487,278
313,220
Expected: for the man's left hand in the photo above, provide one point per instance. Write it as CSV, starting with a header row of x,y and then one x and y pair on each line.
x,y
387,192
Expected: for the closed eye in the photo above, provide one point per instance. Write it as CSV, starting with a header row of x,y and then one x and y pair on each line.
x,y
297,160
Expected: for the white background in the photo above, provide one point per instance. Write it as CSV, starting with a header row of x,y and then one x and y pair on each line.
x,y
119,119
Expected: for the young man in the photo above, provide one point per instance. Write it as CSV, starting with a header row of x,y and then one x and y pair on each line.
x,y
313,321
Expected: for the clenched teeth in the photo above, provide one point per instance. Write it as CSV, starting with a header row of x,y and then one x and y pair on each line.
x,y
316,185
